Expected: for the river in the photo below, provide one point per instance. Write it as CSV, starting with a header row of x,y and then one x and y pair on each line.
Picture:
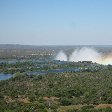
x,y
5,76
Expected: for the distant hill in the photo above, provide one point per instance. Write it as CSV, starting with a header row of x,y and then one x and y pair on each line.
x,y
16,46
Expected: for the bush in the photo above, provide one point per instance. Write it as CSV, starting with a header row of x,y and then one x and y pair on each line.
x,y
65,101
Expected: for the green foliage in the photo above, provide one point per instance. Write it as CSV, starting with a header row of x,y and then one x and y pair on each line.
x,y
65,101
44,93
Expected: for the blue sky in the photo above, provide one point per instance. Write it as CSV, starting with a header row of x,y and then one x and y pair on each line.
x,y
56,22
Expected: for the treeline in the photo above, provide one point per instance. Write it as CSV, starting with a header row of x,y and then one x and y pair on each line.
x,y
25,66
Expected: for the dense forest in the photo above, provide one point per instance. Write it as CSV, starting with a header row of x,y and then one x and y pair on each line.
x,y
58,92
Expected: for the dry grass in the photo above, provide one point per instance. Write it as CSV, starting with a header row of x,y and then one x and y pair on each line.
x,y
24,100
65,108
103,106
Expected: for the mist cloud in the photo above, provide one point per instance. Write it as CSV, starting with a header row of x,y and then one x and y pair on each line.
x,y
86,54
61,56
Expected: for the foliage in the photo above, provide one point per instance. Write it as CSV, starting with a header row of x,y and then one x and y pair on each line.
x,y
48,92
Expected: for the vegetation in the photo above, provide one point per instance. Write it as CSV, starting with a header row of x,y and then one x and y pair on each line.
x,y
84,91
32,66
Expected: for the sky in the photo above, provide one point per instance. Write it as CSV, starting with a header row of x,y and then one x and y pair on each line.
x,y
56,22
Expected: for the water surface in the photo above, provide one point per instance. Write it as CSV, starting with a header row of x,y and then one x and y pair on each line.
x,y
5,76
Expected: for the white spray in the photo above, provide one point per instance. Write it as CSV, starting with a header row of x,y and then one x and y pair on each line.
x,y
86,54
61,56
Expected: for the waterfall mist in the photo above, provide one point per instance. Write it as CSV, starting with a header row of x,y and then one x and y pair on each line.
x,y
85,54
61,56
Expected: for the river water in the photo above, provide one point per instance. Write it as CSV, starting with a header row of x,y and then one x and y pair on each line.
x,y
5,76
